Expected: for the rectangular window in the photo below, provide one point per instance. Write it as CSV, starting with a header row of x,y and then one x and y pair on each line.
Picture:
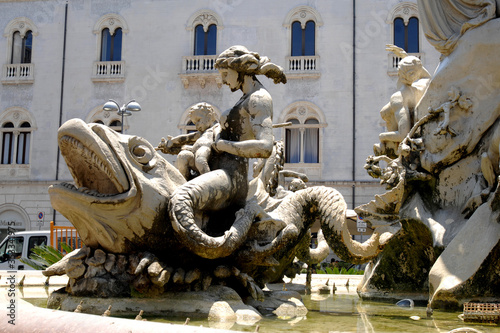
x,y
7,148
36,241
17,45
27,47
23,148
292,153
311,146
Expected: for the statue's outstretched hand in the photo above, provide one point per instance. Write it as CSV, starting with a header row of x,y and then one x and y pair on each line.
x,y
396,50
165,145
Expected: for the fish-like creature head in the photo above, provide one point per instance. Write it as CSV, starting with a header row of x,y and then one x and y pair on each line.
x,y
121,188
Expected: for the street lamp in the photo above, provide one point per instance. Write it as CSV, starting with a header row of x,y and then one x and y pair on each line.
x,y
125,110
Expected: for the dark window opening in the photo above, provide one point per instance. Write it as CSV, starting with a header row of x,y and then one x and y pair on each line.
x,y
406,36
303,40
111,45
205,42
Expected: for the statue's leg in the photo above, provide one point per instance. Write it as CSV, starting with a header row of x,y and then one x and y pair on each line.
x,y
185,160
201,159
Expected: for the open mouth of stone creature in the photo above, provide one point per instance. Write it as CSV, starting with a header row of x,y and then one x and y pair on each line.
x,y
96,171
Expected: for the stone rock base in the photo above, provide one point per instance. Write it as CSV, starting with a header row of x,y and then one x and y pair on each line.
x,y
218,304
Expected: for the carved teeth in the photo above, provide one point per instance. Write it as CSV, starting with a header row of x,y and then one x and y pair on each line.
x,y
69,143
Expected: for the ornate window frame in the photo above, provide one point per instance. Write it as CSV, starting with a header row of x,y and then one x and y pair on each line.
x,y
404,10
205,17
109,71
302,66
200,68
18,73
106,118
112,22
23,25
17,116
302,111
303,14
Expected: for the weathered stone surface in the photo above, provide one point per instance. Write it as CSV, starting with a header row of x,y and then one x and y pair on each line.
x,y
120,266
222,272
221,311
59,268
94,271
162,279
247,316
192,275
283,304
110,262
98,259
179,275
155,269
133,263
146,259
206,282
444,180
75,268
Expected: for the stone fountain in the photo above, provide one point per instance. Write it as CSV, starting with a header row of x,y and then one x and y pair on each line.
x,y
439,160
152,229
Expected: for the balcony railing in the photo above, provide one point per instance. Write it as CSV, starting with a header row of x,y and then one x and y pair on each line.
x,y
17,73
303,66
392,67
199,64
108,71
199,68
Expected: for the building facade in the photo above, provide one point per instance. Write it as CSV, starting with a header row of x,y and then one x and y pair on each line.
x,y
63,60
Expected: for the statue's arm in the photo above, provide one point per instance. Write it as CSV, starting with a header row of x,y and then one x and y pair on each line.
x,y
260,111
185,139
403,121
173,145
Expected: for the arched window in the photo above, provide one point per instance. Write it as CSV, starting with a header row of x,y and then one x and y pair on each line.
x,y
16,127
19,68
22,46
292,140
311,141
205,25
109,31
111,45
116,125
302,141
23,144
406,34
106,118
109,65
190,127
405,26
7,143
303,39
205,40
20,33
303,136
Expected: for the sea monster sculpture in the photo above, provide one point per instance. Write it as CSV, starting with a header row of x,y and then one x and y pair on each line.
x,y
134,210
